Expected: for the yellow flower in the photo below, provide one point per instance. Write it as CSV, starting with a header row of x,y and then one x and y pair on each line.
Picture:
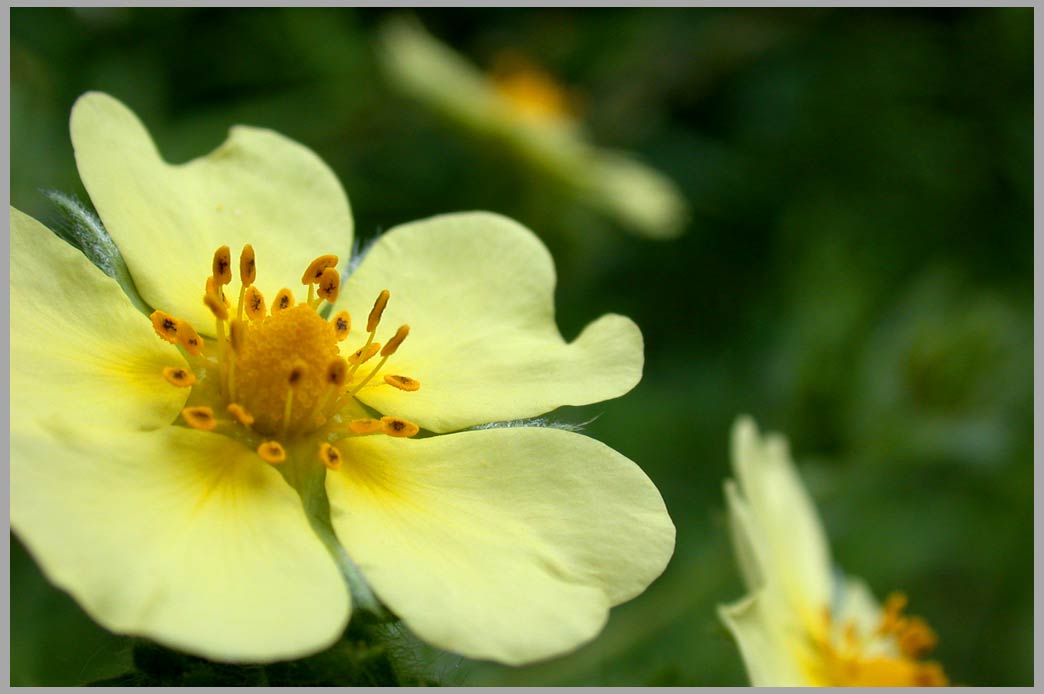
x,y
176,472
522,108
802,625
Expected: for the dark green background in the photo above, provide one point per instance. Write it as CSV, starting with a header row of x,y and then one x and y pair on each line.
x,y
857,273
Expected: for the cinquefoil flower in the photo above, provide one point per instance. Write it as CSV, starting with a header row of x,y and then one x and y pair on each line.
x,y
524,110
159,463
802,624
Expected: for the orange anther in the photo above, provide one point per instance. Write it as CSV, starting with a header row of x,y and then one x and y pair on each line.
x,y
165,325
403,382
247,265
222,266
377,311
330,456
255,303
199,418
272,452
177,376
284,299
393,344
316,267
330,284
365,426
399,428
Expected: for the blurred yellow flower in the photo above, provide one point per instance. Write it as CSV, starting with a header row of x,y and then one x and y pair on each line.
x,y
522,108
802,625
200,476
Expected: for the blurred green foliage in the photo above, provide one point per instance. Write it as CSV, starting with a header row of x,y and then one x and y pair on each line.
x,y
857,273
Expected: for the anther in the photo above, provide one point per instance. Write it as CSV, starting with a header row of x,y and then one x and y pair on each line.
x,y
236,334
239,414
393,344
247,265
399,428
189,338
377,310
218,291
366,426
330,456
316,268
284,299
917,638
165,325
364,354
216,306
272,452
255,303
337,372
199,418
342,325
177,376
330,284
222,267
297,372
403,382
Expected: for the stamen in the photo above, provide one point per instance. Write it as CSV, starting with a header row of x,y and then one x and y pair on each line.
x,y
337,372
236,334
247,265
216,306
316,268
403,382
330,456
366,426
176,376
377,311
329,284
284,299
364,354
399,428
165,325
240,414
199,418
917,638
218,291
272,452
189,338
389,349
222,266
393,344
342,325
255,303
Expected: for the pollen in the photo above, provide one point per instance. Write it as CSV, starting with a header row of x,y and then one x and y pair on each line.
x,y
330,284
399,428
247,265
165,325
364,354
222,267
216,305
337,372
342,325
239,414
393,344
292,347
284,299
377,311
272,452
176,376
199,418
888,655
317,267
366,426
402,382
255,303
281,376
189,339
330,456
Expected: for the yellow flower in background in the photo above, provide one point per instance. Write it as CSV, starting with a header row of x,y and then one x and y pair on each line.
x,y
201,475
802,624
522,108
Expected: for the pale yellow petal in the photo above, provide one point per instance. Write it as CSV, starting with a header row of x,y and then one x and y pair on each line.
x,y
793,542
182,536
80,352
477,291
507,544
258,187
769,658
